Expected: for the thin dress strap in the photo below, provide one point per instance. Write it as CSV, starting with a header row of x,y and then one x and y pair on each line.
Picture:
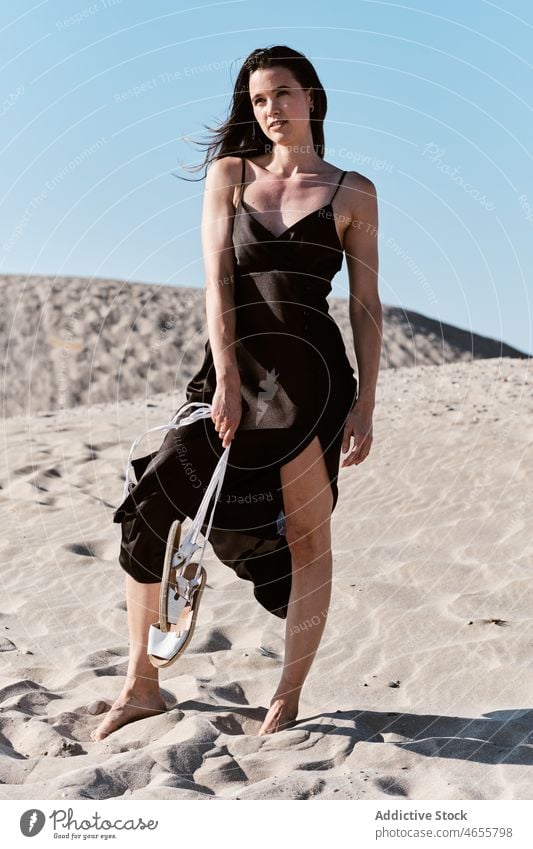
x,y
243,175
337,186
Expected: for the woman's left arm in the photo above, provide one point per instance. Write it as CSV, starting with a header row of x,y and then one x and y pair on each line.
x,y
366,319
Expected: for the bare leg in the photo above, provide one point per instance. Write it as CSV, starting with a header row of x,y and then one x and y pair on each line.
x,y
306,618
140,696
309,538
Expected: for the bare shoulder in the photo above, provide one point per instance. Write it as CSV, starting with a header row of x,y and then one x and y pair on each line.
x,y
361,189
355,210
223,176
357,206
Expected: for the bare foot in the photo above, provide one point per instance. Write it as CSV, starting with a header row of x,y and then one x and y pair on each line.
x,y
282,713
128,708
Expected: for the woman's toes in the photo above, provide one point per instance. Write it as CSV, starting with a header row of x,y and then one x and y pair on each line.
x,y
123,712
280,716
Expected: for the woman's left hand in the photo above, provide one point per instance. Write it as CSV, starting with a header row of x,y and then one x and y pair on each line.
x,y
359,426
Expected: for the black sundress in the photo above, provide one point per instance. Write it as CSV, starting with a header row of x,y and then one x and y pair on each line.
x,y
296,383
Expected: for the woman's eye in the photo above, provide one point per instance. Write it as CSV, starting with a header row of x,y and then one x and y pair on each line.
x,y
260,99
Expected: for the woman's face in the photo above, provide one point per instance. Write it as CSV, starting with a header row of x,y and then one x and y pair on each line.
x,y
277,96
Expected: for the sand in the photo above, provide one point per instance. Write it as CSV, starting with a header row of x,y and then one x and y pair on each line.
x,y
422,686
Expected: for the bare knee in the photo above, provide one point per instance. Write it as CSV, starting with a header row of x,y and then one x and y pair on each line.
x,y
308,539
308,527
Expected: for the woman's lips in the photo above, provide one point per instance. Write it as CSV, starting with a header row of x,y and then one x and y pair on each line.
x,y
277,125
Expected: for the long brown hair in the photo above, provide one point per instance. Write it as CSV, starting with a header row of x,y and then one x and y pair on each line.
x,y
240,134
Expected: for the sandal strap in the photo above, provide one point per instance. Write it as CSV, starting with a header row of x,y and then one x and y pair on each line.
x,y
175,607
189,543
203,410
181,597
186,587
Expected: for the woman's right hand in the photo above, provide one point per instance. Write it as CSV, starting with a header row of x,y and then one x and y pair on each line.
x,y
227,409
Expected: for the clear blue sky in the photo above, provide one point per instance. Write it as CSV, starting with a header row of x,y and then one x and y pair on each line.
x,y
430,100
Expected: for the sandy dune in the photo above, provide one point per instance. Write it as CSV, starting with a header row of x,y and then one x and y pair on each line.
x,y
71,341
422,687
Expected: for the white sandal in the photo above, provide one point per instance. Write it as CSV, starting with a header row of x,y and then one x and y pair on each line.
x,y
182,585
183,579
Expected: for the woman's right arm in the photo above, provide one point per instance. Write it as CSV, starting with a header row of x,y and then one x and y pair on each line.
x,y
217,244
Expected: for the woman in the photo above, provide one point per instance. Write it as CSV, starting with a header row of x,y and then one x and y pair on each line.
x,y
275,370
